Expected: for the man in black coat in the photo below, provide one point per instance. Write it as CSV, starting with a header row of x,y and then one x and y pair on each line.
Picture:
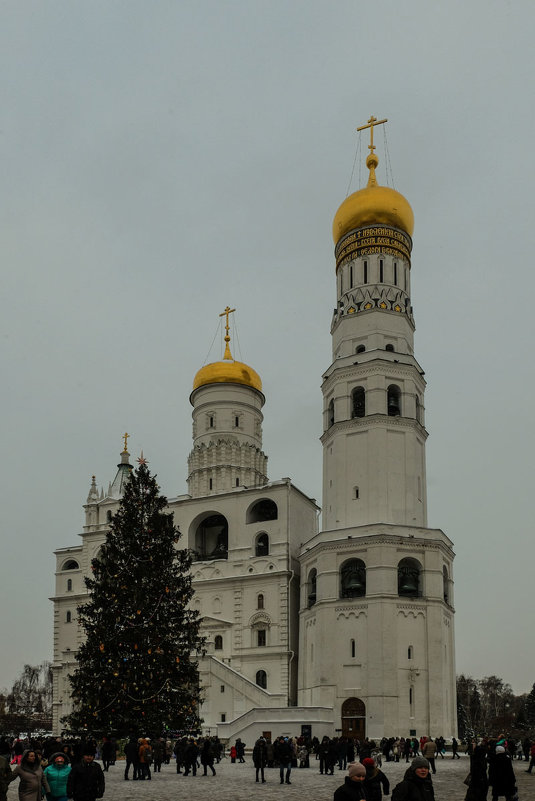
x,y
86,780
131,757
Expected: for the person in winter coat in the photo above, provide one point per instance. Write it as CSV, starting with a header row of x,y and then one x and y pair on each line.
x,y
429,751
240,750
57,774
479,782
284,755
32,778
353,787
416,784
6,776
158,754
260,758
131,758
501,774
190,758
207,757
86,779
106,753
375,782
145,759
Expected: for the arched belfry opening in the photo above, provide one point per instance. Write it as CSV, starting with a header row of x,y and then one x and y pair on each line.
x,y
211,538
354,719
263,510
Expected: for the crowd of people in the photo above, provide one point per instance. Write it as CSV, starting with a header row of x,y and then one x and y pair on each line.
x,y
64,770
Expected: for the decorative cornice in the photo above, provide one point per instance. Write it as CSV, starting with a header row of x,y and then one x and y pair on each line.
x,y
376,367
373,421
360,608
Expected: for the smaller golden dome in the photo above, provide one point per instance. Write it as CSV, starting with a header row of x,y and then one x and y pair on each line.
x,y
373,205
227,372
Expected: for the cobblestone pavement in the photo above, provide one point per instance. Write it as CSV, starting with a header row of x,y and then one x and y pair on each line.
x,y
237,783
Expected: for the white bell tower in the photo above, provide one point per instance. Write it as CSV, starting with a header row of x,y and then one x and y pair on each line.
x,y
377,583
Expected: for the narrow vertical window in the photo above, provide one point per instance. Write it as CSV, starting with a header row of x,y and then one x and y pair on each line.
x,y
236,422
353,649
223,717
260,602
381,271
396,273
356,493
237,482
365,272
409,652
211,422
351,275
411,698
69,585
68,617
210,483
261,641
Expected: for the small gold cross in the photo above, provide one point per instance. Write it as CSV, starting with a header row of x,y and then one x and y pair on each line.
x,y
371,123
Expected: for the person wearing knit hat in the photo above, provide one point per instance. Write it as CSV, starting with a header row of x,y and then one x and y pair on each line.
x,y
375,782
416,784
501,774
353,788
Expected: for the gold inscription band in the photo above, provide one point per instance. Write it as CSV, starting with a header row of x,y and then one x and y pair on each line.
x,y
373,239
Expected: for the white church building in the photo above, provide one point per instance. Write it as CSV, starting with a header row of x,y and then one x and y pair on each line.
x,y
347,630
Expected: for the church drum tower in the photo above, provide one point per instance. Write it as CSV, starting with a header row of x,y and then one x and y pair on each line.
x,y
376,582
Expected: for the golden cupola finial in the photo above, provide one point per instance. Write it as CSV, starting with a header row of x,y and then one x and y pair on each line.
x,y
228,370
375,204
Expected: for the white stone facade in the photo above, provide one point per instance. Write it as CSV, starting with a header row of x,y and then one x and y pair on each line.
x,y
349,629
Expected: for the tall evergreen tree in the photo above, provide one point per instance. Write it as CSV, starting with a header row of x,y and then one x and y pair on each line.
x,y
136,668
529,709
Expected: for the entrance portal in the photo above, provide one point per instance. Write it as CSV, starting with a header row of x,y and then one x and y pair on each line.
x,y
354,719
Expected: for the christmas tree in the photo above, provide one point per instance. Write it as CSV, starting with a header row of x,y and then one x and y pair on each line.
x,y
136,670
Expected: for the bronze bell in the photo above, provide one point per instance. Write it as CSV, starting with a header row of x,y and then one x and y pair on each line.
x,y
409,583
393,406
354,584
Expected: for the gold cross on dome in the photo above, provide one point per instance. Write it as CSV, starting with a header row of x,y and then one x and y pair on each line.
x,y
227,355
125,437
371,123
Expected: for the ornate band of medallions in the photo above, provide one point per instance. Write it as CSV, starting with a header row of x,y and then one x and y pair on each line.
x,y
373,239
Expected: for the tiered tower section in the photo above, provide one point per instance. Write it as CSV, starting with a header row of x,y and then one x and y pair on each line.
x,y
227,415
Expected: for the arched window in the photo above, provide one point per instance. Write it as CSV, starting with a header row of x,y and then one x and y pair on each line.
x,y
394,401
262,510
68,617
211,538
330,414
260,601
418,409
71,564
261,679
409,578
360,349
446,584
218,642
262,545
69,585
312,580
389,347
353,579
358,402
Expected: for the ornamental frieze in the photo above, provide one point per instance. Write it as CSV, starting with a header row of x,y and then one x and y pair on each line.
x,y
371,240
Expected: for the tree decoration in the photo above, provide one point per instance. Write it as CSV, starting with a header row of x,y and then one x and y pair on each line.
x,y
141,638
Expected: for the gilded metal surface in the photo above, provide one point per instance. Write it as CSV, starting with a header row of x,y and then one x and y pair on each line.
x,y
125,437
373,239
227,372
375,204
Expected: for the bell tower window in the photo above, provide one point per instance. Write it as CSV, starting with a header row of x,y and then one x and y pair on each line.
x,y
330,414
358,402
409,578
394,401
353,579
365,272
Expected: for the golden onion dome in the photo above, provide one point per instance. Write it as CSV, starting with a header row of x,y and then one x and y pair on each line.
x,y
373,205
227,372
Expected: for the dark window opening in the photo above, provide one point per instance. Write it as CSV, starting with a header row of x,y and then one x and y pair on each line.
x,y
360,349
330,414
353,649
365,272
261,679
356,493
262,545
211,538
211,422
394,401
261,638
70,565
381,271
263,510
108,516
223,717
260,602
409,652
210,483
358,402
237,482
222,688
218,642
353,579
389,347
69,585
409,578
312,582
395,273
68,617
236,422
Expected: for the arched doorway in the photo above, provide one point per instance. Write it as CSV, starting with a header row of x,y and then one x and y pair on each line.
x,y
354,719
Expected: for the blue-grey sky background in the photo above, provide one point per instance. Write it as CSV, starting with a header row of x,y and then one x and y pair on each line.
x,y
160,160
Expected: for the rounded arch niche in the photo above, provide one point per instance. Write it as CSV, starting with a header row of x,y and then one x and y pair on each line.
x,y
211,538
354,719
262,510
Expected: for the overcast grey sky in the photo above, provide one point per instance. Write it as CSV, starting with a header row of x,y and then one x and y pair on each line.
x,y
160,160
